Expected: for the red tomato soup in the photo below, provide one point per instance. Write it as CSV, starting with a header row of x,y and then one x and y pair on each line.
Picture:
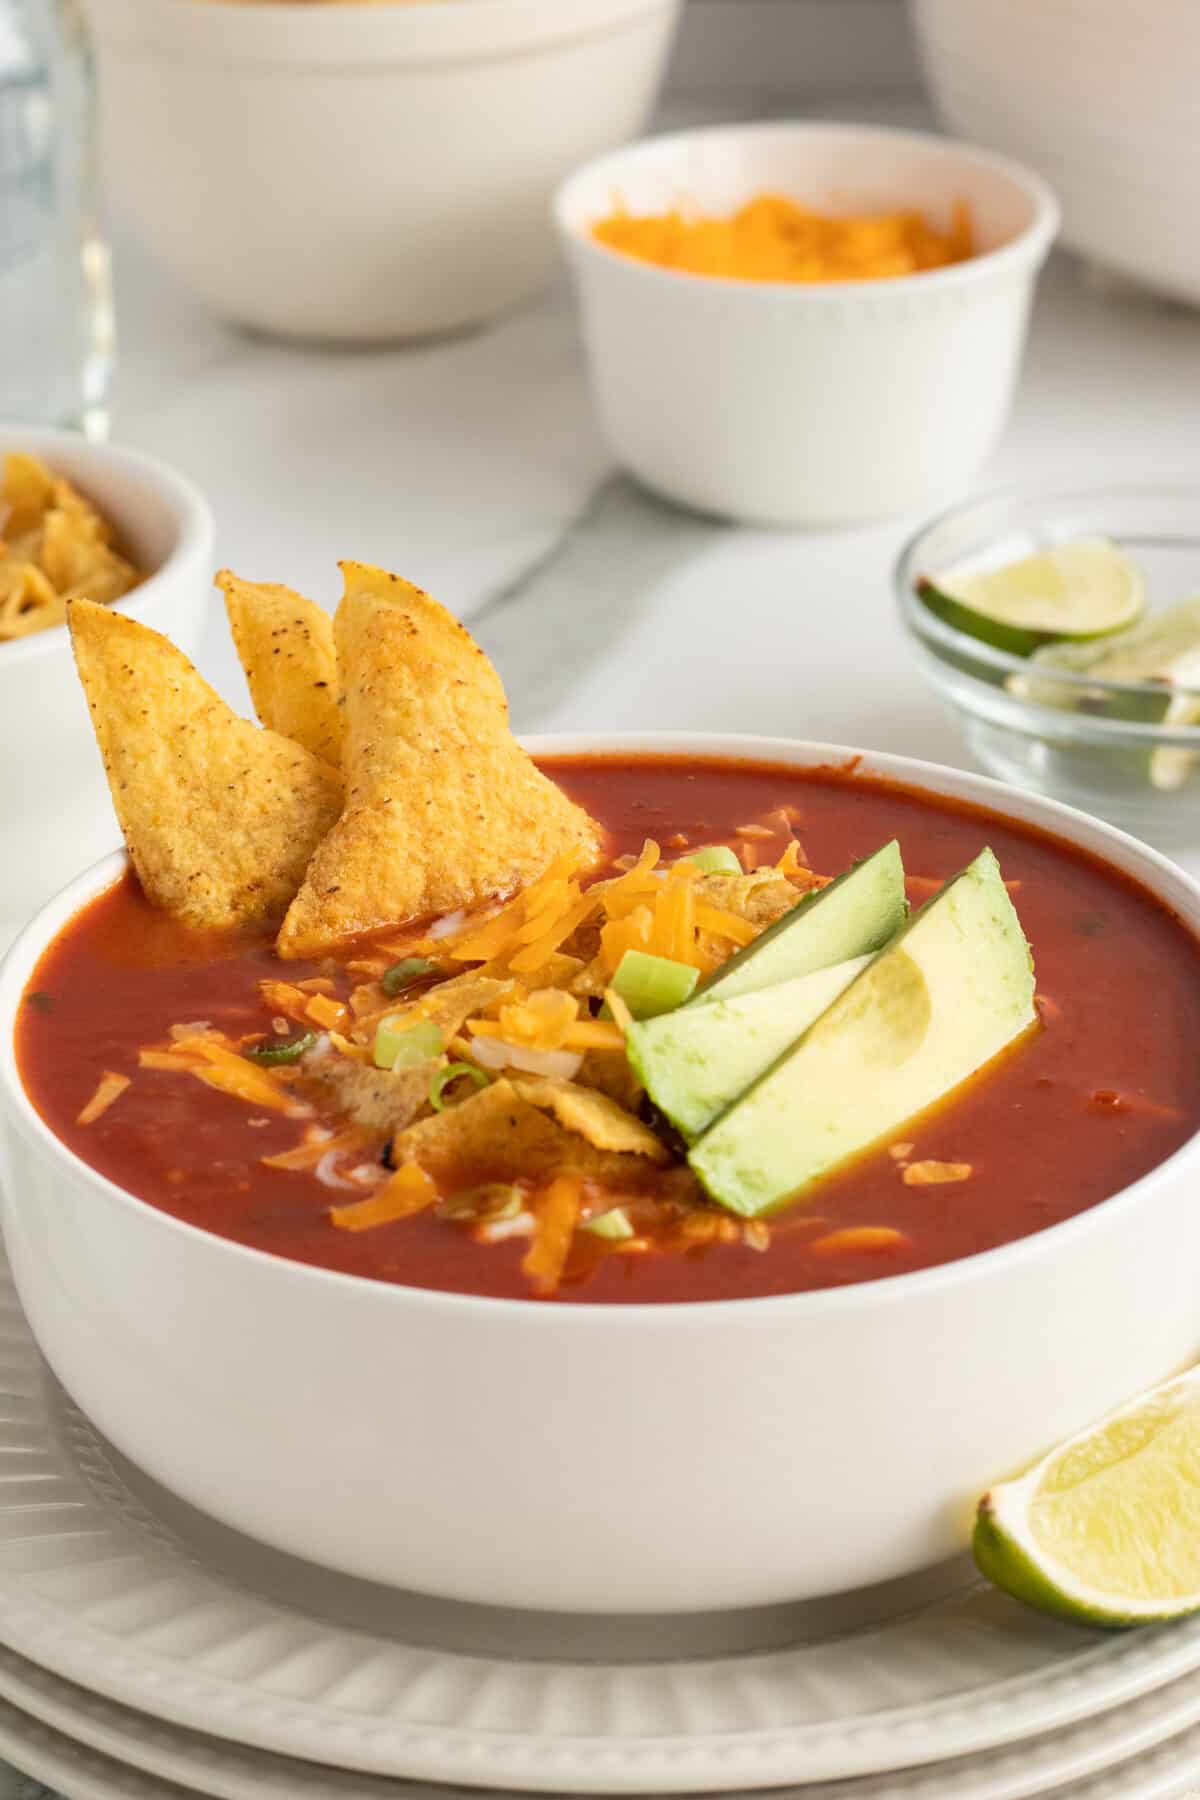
x,y
1107,1088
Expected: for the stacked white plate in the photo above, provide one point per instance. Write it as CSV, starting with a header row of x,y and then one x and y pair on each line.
x,y
152,1655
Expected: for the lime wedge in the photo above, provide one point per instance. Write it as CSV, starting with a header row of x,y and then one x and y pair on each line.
x,y
1077,591
1106,1529
1161,650
1171,769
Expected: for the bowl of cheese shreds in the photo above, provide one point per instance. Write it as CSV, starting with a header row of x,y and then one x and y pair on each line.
x,y
804,324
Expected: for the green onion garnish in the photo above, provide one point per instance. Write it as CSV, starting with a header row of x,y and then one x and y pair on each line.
x,y
714,859
650,985
613,1224
403,974
443,1077
494,1200
400,1048
285,1052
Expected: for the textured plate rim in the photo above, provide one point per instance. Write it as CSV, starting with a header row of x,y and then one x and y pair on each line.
x,y
153,1746
53,1757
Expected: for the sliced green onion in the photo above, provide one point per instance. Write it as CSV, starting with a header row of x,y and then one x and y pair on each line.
x,y
494,1200
403,974
650,985
443,1077
401,1048
613,1224
281,1052
714,859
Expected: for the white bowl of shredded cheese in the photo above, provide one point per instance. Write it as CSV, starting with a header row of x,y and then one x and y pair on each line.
x,y
801,402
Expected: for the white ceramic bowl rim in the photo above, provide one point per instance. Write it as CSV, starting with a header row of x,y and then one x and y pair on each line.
x,y
926,624
166,488
283,33
1046,815
1030,246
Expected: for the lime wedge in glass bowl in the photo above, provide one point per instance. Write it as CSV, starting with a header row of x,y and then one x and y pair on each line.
x,y
1072,592
1149,674
1106,1529
1125,746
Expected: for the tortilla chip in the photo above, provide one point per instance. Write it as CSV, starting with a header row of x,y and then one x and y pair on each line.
x,y
285,644
451,1003
498,1132
593,1115
760,897
611,1075
444,809
377,1100
26,491
220,818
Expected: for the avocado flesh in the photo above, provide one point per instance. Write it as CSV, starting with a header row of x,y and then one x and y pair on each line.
x,y
697,1060
858,912
954,988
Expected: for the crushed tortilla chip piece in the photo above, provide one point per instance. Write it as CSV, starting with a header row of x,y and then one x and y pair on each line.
x,y
376,1100
498,1132
285,645
451,1003
444,810
593,1115
220,818
493,1128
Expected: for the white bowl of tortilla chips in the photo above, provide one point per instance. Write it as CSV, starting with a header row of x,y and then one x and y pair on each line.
x,y
79,519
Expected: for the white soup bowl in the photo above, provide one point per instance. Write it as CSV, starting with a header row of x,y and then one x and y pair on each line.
x,y
639,1458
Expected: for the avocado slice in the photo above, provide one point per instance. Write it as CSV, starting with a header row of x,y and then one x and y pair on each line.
x,y
858,912
954,988
697,1060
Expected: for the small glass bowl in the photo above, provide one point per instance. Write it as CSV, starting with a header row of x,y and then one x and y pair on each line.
x,y
1064,734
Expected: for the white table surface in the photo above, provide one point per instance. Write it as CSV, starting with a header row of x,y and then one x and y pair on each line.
x,y
475,467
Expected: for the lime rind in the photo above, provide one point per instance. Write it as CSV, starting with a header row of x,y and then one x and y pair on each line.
x,y
1171,768
1148,675
1075,592
1007,1552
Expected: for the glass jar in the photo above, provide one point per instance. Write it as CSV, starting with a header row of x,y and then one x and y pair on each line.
x,y
56,334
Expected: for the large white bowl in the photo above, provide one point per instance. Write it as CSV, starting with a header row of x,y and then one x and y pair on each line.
x,y
1100,96
623,1458
55,812
783,403
362,172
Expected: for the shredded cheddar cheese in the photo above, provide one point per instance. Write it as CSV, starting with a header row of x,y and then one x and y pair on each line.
x,y
775,238
556,1213
410,1190
110,1087
859,1237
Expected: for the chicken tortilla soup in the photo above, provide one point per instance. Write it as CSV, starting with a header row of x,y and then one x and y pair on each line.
x,y
387,997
